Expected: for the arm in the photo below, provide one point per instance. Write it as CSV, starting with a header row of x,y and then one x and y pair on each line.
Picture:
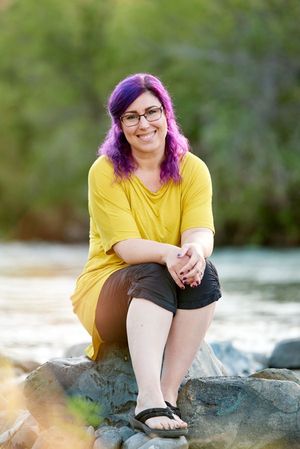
x,y
197,244
134,251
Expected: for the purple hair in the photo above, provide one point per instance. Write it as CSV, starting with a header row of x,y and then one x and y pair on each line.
x,y
115,145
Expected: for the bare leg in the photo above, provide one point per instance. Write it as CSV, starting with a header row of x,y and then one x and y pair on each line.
x,y
148,327
186,334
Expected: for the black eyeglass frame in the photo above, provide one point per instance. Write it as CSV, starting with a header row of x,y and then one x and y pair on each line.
x,y
143,115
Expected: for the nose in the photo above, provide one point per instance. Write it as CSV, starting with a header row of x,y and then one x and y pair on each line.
x,y
143,123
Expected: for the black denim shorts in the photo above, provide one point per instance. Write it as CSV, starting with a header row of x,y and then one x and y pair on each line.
x,y
152,282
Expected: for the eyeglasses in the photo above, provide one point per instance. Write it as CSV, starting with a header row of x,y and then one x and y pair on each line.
x,y
133,118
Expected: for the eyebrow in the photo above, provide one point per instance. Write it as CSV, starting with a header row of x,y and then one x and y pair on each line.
x,y
149,107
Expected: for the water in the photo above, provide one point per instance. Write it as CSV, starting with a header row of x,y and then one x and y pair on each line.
x,y
260,304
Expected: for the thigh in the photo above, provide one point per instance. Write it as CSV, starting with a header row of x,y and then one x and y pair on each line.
x,y
206,293
150,281
112,307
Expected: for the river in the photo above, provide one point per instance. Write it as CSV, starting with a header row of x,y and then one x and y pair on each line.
x,y
260,304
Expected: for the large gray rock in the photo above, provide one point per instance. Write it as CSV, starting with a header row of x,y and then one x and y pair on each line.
x,y
241,413
277,374
109,382
222,412
236,362
286,354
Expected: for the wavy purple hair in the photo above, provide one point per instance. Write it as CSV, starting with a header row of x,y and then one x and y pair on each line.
x,y
115,145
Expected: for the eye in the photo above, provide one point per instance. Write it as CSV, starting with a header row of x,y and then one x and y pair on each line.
x,y
153,111
130,117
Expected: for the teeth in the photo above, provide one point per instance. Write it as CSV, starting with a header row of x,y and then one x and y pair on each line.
x,y
146,137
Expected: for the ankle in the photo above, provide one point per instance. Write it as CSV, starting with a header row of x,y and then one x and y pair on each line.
x,y
146,400
170,395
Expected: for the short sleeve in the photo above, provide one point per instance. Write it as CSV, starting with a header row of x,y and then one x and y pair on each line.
x,y
196,196
109,207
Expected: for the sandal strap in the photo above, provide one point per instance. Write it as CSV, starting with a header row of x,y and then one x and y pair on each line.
x,y
174,409
153,413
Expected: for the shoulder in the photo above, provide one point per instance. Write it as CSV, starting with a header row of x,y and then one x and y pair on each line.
x,y
192,165
101,169
102,165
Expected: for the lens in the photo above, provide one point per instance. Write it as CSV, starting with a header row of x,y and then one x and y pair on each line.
x,y
153,114
130,119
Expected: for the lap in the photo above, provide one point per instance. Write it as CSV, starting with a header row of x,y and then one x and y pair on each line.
x,y
150,281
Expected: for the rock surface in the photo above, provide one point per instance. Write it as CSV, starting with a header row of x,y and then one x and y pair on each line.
x,y
236,362
261,411
276,374
110,382
286,354
241,413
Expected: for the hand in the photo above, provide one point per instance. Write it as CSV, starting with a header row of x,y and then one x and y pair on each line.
x,y
175,263
192,272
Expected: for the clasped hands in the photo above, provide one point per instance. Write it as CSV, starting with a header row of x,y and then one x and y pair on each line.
x,y
186,264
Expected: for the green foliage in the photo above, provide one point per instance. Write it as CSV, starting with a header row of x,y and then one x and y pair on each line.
x,y
232,67
85,410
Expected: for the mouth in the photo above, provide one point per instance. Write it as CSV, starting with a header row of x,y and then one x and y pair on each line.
x,y
146,137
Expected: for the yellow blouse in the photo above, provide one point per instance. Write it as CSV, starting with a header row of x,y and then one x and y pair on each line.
x,y
121,210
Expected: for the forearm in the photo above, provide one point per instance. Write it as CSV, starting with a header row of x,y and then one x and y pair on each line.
x,y
202,238
134,251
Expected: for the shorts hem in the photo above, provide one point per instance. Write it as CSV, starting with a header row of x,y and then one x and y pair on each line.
x,y
197,305
145,295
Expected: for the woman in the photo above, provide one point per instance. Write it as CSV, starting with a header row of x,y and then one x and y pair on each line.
x,y
147,281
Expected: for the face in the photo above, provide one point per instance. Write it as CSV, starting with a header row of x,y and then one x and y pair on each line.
x,y
146,137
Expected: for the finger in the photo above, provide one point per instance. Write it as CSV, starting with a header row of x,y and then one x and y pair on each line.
x,y
177,279
183,251
194,272
192,282
189,266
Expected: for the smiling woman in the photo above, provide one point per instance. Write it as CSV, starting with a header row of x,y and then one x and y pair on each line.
x,y
148,282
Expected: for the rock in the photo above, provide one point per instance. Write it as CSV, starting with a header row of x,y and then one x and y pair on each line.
x,y
27,434
76,350
108,437
20,421
140,440
241,413
236,362
109,383
18,367
206,364
136,441
286,354
126,432
64,437
166,443
277,374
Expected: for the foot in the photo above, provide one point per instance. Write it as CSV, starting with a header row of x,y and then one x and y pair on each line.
x,y
177,416
161,422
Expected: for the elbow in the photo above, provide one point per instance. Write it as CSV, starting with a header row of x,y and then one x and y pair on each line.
x,y
123,251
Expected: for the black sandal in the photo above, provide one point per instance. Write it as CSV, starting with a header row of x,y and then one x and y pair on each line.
x,y
175,410
138,423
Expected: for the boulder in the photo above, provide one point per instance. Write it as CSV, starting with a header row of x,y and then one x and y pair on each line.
x,y
109,382
241,413
236,362
260,411
276,374
286,354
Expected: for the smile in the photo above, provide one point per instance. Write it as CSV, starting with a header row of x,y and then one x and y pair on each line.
x,y
146,137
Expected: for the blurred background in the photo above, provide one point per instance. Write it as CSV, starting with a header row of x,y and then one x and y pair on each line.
x,y
233,70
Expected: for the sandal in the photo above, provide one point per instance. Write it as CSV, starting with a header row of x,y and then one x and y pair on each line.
x,y
138,423
175,410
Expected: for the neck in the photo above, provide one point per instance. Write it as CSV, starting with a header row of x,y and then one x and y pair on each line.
x,y
148,162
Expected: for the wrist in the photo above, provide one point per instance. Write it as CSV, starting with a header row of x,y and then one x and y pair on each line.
x,y
167,250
